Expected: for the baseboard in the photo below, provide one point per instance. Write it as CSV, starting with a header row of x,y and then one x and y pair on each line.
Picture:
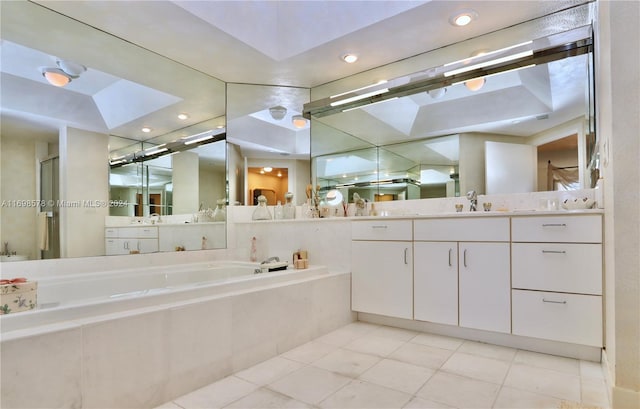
x,y
584,352
625,398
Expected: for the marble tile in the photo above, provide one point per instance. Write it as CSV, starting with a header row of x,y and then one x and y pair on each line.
x,y
348,333
419,403
374,345
438,341
594,393
591,370
347,363
269,371
310,384
544,381
169,405
365,395
329,316
477,367
217,395
488,350
309,352
459,391
197,360
42,371
121,367
421,355
557,363
510,398
399,334
398,375
267,399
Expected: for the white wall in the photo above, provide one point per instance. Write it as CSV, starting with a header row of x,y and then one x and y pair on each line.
x,y
618,82
84,188
185,182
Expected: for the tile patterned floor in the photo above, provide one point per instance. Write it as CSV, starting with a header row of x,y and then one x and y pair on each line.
x,y
363,365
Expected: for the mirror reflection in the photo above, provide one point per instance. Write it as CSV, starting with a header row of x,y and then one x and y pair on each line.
x,y
64,137
269,143
430,135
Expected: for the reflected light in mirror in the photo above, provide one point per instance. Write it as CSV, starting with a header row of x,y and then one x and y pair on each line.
x,y
56,77
475,84
334,197
299,121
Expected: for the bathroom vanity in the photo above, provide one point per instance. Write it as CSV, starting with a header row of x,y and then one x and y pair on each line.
x,y
533,276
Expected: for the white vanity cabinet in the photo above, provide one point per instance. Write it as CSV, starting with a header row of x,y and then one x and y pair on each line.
x,y
462,272
382,267
128,240
557,278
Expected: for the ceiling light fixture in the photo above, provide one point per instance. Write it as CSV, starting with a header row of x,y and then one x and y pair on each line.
x,y
359,97
278,112
183,116
267,168
299,121
146,129
349,58
279,174
63,74
463,17
475,84
437,93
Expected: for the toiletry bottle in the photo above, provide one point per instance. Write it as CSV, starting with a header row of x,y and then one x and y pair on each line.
x,y
289,207
204,242
278,212
261,212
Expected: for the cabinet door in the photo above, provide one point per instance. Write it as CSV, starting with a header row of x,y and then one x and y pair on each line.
x,y
116,247
485,286
435,285
382,278
145,245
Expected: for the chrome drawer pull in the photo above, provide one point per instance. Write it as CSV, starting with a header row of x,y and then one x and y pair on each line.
x,y
554,225
554,252
553,302
405,256
379,227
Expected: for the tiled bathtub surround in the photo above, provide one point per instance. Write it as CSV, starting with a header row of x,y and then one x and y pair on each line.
x,y
144,357
363,365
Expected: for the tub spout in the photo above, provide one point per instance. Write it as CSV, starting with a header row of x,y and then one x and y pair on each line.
x,y
271,259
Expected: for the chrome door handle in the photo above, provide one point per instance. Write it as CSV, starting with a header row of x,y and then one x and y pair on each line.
x,y
450,251
464,257
405,255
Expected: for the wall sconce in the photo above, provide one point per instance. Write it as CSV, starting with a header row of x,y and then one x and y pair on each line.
x,y
299,121
278,112
62,75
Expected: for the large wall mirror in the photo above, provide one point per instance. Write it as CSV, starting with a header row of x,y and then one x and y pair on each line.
x,y
268,141
507,112
129,157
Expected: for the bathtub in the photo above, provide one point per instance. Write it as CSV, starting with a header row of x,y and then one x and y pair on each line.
x,y
144,336
83,296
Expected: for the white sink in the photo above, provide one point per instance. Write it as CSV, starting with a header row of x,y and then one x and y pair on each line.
x,y
14,257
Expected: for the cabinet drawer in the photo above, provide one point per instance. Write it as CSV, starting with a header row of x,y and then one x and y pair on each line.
x,y
382,230
463,229
576,229
111,232
138,232
562,317
566,267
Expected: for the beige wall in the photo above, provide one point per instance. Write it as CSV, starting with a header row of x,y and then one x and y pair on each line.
x,y
18,182
185,182
84,186
618,82
212,187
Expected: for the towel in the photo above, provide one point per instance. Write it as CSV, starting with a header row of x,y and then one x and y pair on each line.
x,y
43,231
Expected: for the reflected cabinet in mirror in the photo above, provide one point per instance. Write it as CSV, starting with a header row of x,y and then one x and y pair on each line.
x,y
508,112
118,160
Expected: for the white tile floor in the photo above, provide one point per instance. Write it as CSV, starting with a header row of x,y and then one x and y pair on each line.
x,y
363,365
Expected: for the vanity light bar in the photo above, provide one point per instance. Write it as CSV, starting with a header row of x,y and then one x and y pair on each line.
x,y
489,63
368,105
495,73
359,89
154,151
200,139
359,97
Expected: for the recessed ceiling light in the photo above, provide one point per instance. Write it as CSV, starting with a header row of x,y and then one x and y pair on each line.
x,y
350,58
183,116
268,168
146,129
463,17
